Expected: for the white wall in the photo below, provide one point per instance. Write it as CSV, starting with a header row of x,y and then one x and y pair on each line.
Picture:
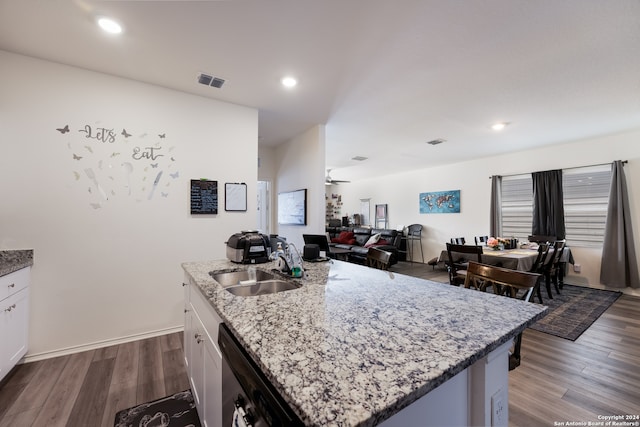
x,y
300,164
113,271
401,191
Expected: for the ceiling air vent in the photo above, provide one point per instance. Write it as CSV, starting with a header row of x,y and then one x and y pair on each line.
x,y
208,80
436,141
359,158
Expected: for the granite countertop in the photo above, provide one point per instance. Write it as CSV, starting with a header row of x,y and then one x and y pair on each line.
x,y
11,261
354,345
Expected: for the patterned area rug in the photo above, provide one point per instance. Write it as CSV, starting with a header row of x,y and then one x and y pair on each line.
x,y
178,410
574,310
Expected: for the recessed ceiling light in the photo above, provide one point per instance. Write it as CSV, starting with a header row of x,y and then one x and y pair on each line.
x,y
289,82
499,126
109,25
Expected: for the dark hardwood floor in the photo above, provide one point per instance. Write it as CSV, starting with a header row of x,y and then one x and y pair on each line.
x,y
87,389
572,381
558,380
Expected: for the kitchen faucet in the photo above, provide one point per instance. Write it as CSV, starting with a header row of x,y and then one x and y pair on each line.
x,y
291,265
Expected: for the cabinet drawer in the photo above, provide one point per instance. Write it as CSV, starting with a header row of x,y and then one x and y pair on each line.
x,y
207,314
14,282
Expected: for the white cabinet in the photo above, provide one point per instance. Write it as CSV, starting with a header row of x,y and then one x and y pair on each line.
x,y
14,320
202,356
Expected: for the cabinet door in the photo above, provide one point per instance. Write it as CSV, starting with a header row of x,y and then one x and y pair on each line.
x,y
14,329
212,386
196,364
186,339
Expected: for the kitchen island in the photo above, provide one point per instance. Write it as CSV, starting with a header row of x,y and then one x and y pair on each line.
x,y
359,346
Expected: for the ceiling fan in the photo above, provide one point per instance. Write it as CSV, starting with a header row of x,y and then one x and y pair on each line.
x,y
329,181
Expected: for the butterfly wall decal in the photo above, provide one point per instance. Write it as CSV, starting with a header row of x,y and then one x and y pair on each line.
x,y
75,157
162,135
115,154
95,205
77,175
154,165
164,194
63,130
125,134
175,175
89,148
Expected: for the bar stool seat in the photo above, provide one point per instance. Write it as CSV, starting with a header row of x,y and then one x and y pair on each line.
x,y
414,234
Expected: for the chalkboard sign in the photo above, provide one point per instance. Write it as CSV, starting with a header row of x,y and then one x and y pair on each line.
x,y
204,197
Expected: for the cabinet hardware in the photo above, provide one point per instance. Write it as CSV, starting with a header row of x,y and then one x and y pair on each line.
x,y
13,285
198,338
11,307
185,284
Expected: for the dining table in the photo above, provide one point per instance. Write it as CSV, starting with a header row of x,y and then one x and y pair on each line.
x,y
515,259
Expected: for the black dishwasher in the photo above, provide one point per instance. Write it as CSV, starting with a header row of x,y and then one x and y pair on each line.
x,y
248,398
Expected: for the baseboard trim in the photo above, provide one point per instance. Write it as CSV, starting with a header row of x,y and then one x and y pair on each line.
x,y
98,344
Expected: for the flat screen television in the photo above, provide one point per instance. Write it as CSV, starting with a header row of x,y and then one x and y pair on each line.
x,y
292,207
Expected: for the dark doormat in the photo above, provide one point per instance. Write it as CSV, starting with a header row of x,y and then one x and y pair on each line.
x,y
574,310
178,410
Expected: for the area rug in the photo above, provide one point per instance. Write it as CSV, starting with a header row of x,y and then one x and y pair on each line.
x,y
178,410
574,310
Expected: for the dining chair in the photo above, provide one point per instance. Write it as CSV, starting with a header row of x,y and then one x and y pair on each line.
x,y
537,238
481,240
457,261
505,282
377,258
538,266
458,241
551,268
414,234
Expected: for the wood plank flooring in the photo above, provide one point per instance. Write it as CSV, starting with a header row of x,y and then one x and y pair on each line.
x,y
558,380
87,389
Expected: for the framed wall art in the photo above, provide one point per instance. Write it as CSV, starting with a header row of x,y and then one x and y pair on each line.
x,y
235,196
292,207
440,202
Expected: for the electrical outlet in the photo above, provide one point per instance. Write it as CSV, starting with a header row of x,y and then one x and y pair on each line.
x,y
498,411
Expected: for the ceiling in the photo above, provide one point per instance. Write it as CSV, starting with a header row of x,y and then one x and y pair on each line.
x,y
384,76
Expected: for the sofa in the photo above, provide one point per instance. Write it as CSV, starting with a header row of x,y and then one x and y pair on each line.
x,y
356,238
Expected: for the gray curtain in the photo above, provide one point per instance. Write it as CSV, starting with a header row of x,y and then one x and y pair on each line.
x,y
619,266
548,204
495,226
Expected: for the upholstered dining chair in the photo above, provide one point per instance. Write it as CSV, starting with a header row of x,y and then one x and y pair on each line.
x,y
457,262
377,258
481,240
506,282
458,241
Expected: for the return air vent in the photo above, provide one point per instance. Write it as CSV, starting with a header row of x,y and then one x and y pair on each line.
x,y
436,141
208,80
359,158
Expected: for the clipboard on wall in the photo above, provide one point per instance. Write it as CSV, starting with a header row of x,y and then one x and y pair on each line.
x,y
235,197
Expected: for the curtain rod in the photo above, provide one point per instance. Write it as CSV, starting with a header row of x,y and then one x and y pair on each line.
x,y
624,162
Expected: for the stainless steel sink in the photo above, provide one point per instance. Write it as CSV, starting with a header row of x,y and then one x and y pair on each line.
x,y
253,282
